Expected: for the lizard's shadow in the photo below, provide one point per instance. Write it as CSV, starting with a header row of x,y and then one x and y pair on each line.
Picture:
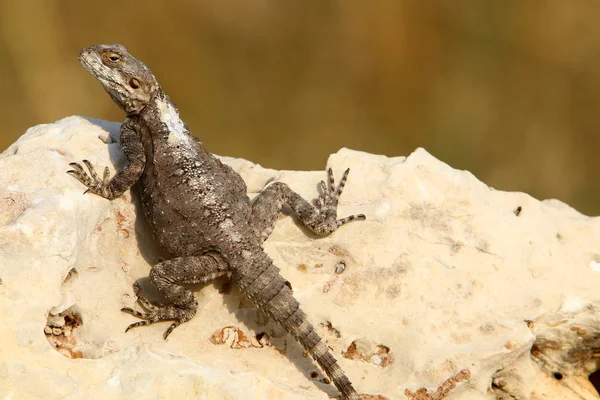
x,y
233,298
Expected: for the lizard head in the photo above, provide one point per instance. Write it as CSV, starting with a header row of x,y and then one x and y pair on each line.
x,y
128,81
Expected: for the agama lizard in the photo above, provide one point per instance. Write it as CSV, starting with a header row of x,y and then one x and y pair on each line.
x,y
199,211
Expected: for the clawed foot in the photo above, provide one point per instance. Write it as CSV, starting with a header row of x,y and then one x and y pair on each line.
x,y
158,312
327,204
149,318
92,180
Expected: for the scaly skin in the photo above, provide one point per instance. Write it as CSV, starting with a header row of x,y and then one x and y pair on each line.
x,y
198,209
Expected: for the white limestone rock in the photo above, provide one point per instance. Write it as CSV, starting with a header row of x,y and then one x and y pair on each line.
x,y
444,287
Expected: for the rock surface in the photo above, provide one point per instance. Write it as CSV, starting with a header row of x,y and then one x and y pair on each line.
x,y
450,289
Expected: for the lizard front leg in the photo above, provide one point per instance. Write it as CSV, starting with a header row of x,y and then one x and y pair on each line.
x,y
321,219
111,188
168,276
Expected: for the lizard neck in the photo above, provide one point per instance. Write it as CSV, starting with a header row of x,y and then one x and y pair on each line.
x,y
165,137
161,117
178,133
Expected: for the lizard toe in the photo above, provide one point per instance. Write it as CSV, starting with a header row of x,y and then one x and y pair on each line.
x,y
136,324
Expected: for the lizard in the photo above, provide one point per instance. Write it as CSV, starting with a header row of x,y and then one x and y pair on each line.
x,y
198,209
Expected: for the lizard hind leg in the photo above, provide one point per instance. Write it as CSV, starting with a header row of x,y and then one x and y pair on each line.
x,y
321,219
169,277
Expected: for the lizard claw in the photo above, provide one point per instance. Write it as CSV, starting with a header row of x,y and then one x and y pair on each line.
x,y
94,184
138,314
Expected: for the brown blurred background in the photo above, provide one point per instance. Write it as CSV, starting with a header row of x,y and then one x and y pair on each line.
x,y
509,90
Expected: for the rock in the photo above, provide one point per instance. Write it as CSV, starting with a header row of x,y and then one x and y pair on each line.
x,y
450,289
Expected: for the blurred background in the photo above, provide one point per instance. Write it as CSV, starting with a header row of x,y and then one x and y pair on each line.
x,y
507,90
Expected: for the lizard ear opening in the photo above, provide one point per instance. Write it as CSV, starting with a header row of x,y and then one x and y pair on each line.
x,y
134,83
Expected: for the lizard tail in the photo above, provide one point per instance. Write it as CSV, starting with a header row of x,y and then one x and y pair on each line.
x,y
313,343
270,293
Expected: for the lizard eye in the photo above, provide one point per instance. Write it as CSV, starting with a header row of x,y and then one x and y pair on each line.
x,y
134,83
111,58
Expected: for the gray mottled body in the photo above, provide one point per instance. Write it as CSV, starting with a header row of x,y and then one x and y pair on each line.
x,y
198,209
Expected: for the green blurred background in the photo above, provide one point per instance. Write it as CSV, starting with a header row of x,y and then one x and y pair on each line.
x,y
509,90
